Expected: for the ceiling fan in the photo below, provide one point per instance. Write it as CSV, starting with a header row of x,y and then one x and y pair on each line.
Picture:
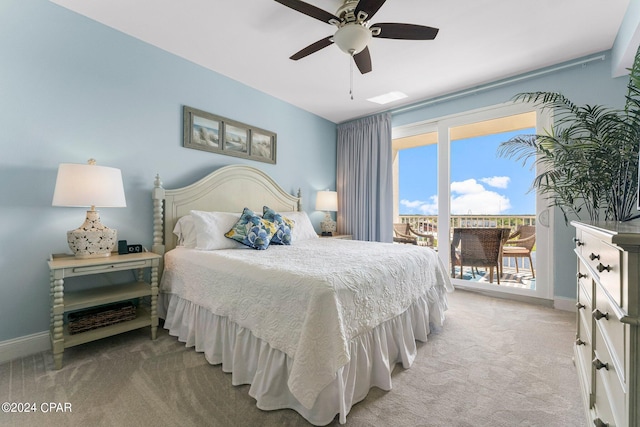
x,y
355,31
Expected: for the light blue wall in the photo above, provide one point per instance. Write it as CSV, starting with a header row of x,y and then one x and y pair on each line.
x,y
72,89
584,84
627,40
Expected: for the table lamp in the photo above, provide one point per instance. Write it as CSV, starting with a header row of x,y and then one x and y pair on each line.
x,y
90,185
327,201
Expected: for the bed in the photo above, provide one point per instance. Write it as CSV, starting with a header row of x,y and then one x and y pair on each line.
x,y
311,323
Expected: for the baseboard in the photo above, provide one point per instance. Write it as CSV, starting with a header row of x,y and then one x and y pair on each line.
x,y
559,303
504,295
24,346
563,303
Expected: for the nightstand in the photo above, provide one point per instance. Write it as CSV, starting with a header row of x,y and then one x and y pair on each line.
x,y
338,236
62,266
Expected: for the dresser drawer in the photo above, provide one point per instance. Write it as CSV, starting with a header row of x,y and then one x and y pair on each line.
x,y
606,262
610,400
583,357
585,288
612,331
578,241
585,315
584,327
603,412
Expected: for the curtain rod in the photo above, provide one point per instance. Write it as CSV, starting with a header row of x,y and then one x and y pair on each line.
x,y
496,84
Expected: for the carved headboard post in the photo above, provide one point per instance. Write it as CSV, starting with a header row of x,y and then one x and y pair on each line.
x,y
158,217
299,199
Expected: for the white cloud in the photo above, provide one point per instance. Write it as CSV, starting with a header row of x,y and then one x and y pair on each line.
x,y
420,207
470,197
497,181
411,204
467,197
482,203
469,186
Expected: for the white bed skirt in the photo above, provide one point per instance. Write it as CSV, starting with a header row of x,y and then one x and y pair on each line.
x,y
251,360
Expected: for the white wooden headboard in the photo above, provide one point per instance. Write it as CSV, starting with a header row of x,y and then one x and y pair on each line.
x,y
228,189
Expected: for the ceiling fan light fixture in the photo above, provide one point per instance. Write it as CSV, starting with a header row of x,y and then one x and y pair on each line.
x,y
352,38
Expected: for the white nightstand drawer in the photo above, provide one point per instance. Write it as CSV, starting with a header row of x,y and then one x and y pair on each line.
x,y
110,267
338,236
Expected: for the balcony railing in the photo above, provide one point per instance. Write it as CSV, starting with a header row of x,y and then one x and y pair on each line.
x,y
429,223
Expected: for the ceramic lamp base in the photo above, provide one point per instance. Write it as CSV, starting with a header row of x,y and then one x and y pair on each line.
x,y
92,239
328,225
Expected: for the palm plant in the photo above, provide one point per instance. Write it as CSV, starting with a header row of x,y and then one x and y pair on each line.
x,y
589,159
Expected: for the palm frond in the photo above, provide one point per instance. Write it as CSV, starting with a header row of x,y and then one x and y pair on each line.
x,y
588,161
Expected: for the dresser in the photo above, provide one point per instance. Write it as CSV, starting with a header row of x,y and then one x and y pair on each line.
x,y
606,350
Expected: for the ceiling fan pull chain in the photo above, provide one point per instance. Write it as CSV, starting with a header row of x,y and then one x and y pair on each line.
x,y
351,76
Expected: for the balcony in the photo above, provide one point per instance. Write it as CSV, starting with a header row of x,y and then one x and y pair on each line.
x,y
514,275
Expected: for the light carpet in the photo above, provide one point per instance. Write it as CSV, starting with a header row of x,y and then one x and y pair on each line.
x,y
495,363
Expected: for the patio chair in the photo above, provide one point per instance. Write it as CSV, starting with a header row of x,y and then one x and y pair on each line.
x,y
520,244
404,233
478,247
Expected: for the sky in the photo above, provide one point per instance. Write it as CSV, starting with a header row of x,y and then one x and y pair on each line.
x,y
481,182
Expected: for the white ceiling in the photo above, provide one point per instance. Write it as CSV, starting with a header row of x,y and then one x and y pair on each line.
x,y
479,41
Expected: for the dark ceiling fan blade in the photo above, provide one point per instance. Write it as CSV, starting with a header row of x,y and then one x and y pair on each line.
x,y
404,31
363,60
369,6
312,48
309,10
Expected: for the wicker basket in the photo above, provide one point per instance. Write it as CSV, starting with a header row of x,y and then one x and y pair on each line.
x,y
94,318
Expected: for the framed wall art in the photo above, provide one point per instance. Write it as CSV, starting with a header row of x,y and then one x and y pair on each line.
x,y
208,132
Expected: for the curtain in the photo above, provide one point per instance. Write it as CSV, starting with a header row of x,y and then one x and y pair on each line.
x,y
364,178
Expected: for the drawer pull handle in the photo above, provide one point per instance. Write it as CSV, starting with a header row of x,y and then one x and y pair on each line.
x,y
580,342
597,314
599,365
602,268
578,242
580,305
581,275
599,423
594,256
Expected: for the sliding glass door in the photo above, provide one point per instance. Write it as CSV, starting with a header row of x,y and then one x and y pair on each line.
x,y
450,182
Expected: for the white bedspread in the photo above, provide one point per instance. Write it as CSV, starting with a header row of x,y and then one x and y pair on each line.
x,y
307,300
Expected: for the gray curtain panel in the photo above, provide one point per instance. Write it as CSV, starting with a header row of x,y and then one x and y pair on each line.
x,y
364,179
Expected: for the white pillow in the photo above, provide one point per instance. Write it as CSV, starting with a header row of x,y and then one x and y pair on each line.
x,y
303,229
211,227
185,229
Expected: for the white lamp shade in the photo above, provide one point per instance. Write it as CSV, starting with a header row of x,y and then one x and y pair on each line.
x,y
327,201
88,185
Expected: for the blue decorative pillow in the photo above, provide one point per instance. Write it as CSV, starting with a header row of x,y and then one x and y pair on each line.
x,y
283,225
251,230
